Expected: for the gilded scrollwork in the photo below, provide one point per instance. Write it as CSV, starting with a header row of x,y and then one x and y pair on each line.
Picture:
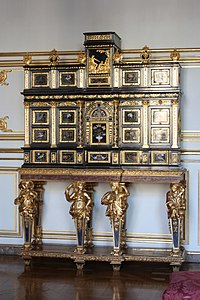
x,y
3,77
4,125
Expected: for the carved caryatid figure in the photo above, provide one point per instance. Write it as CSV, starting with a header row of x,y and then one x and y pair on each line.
x,y
176,203
26,199
116,201
27,207
176,206
82,202
80,210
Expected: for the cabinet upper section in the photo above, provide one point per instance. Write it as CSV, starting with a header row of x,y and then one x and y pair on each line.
x,y
101,66
102,110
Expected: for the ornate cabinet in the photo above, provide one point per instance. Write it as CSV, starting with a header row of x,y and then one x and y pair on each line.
x,y
102,119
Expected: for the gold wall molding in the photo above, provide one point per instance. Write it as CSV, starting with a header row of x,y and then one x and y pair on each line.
x,y
11,150
11,136
185,56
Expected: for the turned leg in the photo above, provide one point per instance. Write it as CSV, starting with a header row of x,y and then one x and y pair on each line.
x,y
37,242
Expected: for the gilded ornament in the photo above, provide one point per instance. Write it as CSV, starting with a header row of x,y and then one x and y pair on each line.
x,y
82,202
175,55
176,202
97,37
117,57
4,125
81,58
96,66
145,54
54,58
27,200
3,77
116,201
27,59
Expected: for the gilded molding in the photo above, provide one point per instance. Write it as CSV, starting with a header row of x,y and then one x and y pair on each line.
x,y
70,172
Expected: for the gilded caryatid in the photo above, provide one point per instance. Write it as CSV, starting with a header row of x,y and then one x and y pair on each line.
x,y
176,206
80,210
116,201
27,207
176,203
27,199
82,202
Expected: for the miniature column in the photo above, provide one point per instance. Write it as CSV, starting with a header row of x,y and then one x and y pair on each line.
x,y
176,206
116,201
27,208
80,210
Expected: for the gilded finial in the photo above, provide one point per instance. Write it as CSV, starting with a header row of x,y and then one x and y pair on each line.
x,y
54,58
27,59
175,55
145,54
